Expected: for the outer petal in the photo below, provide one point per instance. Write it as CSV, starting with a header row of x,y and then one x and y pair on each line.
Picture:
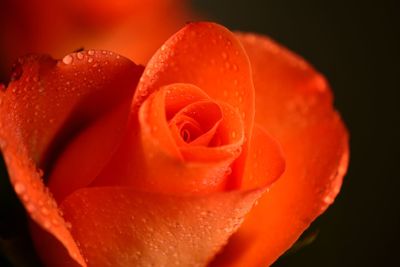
x,y
119,227
294,104
42,109
210,57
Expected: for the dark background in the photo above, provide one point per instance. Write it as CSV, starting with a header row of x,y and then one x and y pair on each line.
x,y
356,46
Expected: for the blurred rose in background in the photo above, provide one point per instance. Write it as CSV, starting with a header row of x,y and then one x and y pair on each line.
x,y
133,28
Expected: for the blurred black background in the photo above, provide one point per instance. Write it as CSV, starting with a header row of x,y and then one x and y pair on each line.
x,y
356,46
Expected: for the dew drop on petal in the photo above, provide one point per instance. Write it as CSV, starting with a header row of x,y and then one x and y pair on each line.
x,y
30,207
47,224
19,188
67,59
68,225
233,134
45,211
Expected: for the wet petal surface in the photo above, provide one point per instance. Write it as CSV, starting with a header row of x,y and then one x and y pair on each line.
x,y
294,104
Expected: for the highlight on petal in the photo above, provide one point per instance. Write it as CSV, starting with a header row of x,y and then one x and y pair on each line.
x,y
118,226
294,104
42,109
210,57
162,158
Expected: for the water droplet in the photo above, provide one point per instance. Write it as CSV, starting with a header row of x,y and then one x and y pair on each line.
x,y
79,55
328,199
25,197
30,207
68,225
67,59
90,60
19,188
45,211
55,222
224,55
91,52
47,224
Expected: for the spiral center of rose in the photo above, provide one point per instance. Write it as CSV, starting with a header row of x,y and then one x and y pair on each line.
x,y
189,130
196,123
186,123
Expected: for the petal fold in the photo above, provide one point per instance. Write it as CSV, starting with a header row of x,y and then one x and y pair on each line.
x,y
44,106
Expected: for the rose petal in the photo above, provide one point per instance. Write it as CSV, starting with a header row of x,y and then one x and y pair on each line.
x,y
266,161
200,120
150,160
121,227
44,106
87,154
294,104
210,57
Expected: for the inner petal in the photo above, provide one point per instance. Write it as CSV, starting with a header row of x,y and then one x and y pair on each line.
x,y
196,124
182,143
189,129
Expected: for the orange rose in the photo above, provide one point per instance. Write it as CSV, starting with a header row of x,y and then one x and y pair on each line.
x,y
164,175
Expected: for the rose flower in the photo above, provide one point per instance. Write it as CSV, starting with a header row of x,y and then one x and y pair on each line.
x,y
120,165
